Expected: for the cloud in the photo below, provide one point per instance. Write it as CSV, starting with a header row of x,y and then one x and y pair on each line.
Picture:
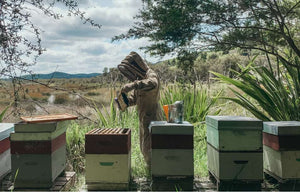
x,y
75,47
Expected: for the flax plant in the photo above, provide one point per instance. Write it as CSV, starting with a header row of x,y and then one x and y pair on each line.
x,y
267,96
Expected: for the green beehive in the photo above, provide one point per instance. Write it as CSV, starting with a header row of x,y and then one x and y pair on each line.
x,y
234,148
234,133
38,157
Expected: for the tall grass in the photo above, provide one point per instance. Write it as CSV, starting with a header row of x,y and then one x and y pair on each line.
x,y
3,112
197,105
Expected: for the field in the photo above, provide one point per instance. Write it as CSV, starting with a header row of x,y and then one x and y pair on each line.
x,y
92,102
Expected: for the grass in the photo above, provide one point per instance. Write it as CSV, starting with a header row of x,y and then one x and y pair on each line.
x,y
109,117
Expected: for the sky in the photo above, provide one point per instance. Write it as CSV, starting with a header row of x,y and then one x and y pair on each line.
x,y
74,47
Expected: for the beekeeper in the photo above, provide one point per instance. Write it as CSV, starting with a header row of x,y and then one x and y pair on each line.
x,y
145,87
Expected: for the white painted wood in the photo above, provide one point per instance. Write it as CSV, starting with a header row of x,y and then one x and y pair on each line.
x,y
284,164
5,163
107,168
172,162
235,165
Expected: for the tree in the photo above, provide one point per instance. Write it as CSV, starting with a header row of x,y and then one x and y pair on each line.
x,y
173,25
18,52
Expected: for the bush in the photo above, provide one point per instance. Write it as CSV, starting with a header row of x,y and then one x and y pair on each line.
x,y
61,99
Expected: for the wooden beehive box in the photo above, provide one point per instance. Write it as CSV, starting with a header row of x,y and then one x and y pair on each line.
x,y
234,148
234,133
227,166
172,149
38,150
281,141
5,157
108,159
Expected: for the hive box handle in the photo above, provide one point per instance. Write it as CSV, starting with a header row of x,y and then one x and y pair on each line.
x,y
106,163
240,162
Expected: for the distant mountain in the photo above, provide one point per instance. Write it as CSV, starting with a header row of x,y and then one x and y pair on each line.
x,y
61,75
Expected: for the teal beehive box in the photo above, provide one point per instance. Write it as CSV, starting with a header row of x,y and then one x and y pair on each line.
x,y
234,148
234,133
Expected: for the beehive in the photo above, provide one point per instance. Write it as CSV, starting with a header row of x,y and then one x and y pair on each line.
x,y
234,148
172,153
5,157
38,153
108,159
281,141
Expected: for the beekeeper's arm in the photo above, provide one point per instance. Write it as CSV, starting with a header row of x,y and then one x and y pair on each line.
x,y
146,84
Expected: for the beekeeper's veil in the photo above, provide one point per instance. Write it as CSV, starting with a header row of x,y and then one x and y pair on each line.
x,y
133,67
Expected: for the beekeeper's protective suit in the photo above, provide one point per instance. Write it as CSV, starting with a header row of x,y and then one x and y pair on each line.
x,y
145,95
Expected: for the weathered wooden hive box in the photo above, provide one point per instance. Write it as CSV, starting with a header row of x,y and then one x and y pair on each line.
x,y
172,149
5,157
281,141
38,153
172,154
108,159
234,148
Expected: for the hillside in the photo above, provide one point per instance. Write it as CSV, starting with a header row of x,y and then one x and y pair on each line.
x,y
61,75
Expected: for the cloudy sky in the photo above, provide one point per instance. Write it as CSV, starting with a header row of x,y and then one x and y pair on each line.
x,y
74,47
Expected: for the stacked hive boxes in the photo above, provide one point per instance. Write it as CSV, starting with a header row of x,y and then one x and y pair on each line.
x,y
108,159
38,153
5,158
172,159
282,149
234,149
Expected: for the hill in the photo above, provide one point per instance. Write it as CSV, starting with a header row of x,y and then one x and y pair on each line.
x,y
61,75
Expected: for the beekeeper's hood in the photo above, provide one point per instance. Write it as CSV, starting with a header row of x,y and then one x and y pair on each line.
x,y
133,67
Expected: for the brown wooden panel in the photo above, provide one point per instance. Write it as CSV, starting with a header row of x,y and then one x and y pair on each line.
x,y
49,118
108,141
172,141
282,142
4,145
38,147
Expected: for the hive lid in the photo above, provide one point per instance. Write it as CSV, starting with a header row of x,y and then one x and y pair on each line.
x,y
5,130
24,127
282,127
49,118
233,122
162,127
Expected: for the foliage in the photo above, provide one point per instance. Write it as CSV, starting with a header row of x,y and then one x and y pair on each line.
x,y
248,24
197,103
75,138
3,113
277,97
